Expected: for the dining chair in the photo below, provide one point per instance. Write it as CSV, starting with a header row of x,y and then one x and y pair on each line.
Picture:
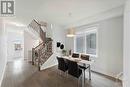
x,y
85,57
84,67
73,69
75,55
62,65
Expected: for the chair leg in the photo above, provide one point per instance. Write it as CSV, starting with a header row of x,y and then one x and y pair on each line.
x,y
78,82
84,77
59,72
66,74
63,74
89,72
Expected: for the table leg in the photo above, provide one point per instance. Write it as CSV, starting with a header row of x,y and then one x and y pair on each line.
x,y
89,72
83,78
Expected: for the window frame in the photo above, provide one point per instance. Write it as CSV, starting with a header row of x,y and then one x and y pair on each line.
x,y
84,33
75,42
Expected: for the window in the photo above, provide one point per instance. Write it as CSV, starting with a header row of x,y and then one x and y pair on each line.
x,y
86,42
91,43
80,42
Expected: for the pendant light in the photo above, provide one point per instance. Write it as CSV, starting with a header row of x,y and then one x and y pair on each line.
x,y
71,30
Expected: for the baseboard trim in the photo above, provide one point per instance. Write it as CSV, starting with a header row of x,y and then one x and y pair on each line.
x,y
1,80
44,68
107,76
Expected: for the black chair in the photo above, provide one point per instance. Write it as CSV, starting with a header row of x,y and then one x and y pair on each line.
x,y
62,65
85,57
75,55
73,69
84,67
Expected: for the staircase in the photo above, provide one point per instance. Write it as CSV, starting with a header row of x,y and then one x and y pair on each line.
x,y
42,52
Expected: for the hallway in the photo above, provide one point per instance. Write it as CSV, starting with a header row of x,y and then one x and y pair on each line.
x,y
22,74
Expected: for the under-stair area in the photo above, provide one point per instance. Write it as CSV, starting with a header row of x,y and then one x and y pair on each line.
x,y
42,52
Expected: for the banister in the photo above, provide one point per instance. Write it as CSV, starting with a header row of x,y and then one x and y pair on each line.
x,y
39,45
44,49
47,42
44,52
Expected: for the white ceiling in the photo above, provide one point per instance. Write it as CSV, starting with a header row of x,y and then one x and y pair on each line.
x,y
56,11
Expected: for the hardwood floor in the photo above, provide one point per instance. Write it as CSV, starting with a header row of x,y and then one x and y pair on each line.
x,y
23,74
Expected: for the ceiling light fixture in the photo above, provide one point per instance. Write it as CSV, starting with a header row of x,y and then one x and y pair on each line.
x,y
71,31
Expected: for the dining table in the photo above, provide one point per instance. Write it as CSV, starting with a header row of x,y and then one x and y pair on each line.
x,y
81,62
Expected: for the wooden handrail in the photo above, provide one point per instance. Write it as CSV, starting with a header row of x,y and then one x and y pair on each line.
x,y
36,22
39,45
45,24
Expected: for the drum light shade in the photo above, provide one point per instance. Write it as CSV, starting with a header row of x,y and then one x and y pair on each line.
x,y
71,32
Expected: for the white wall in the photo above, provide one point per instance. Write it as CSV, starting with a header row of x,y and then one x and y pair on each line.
x,y
3,50
126,82
69,43
110,46
29,43
14,35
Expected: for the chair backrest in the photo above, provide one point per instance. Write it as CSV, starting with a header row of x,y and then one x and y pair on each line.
x,y
62,65
75,55
85,57
73,69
